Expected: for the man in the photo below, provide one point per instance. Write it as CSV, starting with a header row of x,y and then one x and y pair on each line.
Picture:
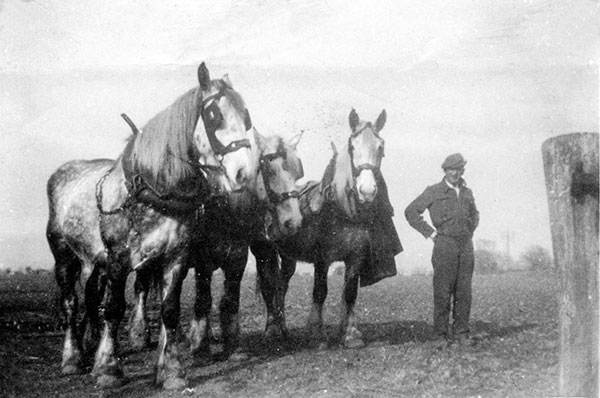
x,y
454,217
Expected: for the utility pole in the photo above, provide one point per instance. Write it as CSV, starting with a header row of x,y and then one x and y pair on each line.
x,y
507,236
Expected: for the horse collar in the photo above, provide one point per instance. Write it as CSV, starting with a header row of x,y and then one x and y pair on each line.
x,y
140,190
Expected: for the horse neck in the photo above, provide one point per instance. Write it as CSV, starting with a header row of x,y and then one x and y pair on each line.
x,y
164,152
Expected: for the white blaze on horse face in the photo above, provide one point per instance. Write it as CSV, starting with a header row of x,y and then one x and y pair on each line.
x,y
366,186
366,151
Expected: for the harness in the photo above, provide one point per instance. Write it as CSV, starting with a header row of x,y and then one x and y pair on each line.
x,y
140,191
274,197
356,170
212,117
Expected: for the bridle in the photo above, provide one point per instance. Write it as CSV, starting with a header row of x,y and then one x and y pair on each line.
x,y
212,119
356,170
274,197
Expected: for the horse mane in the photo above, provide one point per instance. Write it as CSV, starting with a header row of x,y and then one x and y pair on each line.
x,y
338,175
164,152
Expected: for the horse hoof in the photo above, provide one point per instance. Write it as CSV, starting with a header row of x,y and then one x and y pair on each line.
x,y
69,370
354,343
110,381
174,383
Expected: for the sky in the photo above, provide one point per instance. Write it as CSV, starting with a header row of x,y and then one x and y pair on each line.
x,y
490,79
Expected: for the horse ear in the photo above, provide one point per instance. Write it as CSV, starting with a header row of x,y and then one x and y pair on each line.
x,y
227,80
354,120
334,149
260,140
381,120
295,140
203,77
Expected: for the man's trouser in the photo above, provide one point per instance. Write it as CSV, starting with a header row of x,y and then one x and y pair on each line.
x,y
453,261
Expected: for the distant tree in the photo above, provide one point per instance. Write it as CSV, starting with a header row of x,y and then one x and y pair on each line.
x,y
28,269
505,262
486,261
537,257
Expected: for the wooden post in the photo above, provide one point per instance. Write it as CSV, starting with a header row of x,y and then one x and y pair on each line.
x,y
571,171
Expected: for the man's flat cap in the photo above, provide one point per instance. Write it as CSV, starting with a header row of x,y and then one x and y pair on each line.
x,y
454,161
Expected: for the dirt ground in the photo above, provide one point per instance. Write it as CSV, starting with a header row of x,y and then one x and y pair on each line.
x,y
514,318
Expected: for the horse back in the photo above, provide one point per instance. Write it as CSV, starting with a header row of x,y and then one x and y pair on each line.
x,y
73,214
76,173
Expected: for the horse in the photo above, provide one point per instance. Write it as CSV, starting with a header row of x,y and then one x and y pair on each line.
x,y
264,212
346,217
107,218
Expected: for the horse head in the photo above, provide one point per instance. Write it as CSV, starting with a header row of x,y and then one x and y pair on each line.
x,y
280,168
353,172
223,139
366,150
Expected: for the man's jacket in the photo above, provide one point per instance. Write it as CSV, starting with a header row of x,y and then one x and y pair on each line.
x,y
451,215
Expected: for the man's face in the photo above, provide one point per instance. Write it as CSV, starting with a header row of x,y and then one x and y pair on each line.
x,y
453,175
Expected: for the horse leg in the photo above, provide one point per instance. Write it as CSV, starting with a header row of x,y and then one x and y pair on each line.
x,y
107,367
288,268
139,332
351,337
94,294
267,269
67,271
230,303
200,333
169,369
317,335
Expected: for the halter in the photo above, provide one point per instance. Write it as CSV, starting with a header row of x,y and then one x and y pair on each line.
x,y
212,118
356,170
274,197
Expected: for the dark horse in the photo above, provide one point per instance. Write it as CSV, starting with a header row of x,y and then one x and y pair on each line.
x,y
346,217
267,210
138,212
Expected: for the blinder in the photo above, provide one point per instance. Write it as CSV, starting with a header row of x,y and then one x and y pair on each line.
x,y
274,197
213,119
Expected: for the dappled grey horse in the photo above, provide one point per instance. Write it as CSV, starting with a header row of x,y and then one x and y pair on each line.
x,y
139,212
